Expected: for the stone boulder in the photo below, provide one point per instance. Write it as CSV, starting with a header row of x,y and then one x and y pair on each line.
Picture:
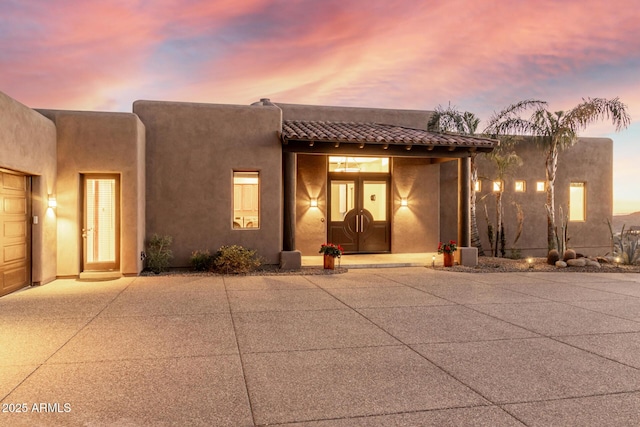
x,y
578,262
561,264
592,263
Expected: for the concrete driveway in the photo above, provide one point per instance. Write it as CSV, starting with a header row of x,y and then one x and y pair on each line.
x,y
372,347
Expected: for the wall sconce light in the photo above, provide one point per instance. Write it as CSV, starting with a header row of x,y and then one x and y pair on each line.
x,y
313,202
404,202
52,203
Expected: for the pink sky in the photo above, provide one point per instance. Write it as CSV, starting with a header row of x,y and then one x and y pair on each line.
x,y
477,55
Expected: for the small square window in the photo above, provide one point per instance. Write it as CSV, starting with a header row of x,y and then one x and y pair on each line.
x,y
497,186
520,186
477,186
540,186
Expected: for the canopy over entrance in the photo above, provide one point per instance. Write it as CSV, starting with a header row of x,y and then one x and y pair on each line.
x,y
377,139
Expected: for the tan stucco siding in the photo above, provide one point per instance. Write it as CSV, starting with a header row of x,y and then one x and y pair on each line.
x,y
28,145
415,228
589,161
311,222
192,151
91,143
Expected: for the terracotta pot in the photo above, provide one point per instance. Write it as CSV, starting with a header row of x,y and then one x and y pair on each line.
x,y
329,262
448,259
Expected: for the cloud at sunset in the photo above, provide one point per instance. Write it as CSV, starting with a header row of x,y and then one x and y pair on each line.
x,y
480,56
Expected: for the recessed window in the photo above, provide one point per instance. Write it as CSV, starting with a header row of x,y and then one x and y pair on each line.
x,y
540,186
246,200
520,186
497,186
477,186
577,199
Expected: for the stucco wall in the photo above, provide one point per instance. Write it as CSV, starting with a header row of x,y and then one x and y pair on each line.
x,y
415,228
410,118
192,151
28,145
311,222
589,161
92,142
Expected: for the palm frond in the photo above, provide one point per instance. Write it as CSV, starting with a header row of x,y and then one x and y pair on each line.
x,y
499,122
595,109
451,119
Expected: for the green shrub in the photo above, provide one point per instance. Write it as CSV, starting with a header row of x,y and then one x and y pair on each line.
x,y
158,255
201,260
235,260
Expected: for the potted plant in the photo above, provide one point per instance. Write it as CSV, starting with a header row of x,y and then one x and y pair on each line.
x,y
330,252
448,249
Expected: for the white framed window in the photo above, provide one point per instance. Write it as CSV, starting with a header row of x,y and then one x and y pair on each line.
x,y
478,186
498,186
246,200
541,186
577,201
520,186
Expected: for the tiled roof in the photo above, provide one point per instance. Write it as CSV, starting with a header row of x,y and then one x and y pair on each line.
x,y
374,133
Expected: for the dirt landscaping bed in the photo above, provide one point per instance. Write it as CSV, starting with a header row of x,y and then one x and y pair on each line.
x,y
508,265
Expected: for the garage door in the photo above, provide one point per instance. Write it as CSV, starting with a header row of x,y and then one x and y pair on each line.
x,y
15,238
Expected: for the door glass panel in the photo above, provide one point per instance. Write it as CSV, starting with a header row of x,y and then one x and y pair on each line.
x,y
375,199
101,220
342,199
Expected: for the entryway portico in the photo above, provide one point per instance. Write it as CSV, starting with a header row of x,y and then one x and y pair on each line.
x,y
412,193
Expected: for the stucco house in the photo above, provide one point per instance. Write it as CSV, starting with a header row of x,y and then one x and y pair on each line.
x,y
81,191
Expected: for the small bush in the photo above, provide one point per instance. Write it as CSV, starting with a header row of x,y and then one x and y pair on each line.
x,y
201,260
159,255
569,254
553,256
235,260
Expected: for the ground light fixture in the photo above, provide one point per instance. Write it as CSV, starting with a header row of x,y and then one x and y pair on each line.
x,y
530,262
433,261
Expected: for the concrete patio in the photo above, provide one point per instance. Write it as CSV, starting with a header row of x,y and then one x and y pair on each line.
x,y
372,347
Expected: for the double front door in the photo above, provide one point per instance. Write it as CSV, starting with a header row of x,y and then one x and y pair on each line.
x,y
359,212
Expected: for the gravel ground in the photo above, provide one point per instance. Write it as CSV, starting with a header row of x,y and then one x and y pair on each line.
x,y
507,265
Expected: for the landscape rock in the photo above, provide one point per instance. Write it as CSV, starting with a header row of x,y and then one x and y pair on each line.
x,y
592,263
561,264
578,262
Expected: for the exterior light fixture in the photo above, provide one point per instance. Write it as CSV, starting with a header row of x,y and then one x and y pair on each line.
x,y
313,202
530,262
433,261
404,202
52,203
618,261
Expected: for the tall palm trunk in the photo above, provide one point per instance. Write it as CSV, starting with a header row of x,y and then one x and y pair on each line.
x,y
551,166
475,235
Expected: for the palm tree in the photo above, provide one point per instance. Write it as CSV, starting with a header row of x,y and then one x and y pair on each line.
x,y
452,120
556,131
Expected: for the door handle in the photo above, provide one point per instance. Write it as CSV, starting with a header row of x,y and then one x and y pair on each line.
x,y
357,223
361,223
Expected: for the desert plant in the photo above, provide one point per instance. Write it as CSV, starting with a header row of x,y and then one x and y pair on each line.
x,y
625,246
562,239
490,234
569,254
201,260
553,256
236,259
158,255
554,132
